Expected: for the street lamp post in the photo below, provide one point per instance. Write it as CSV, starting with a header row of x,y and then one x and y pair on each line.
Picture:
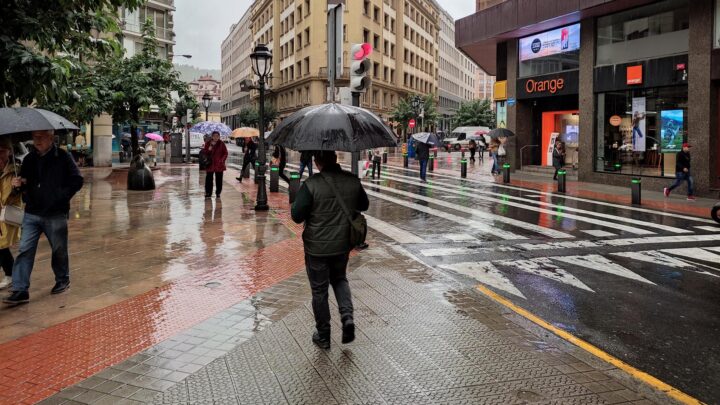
x,y
415,106
206,103
261,65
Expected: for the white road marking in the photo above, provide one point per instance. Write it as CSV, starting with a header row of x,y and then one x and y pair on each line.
x,y
483,216
601,263
708,228
459,237
392,231
486,273
544,267
599,233
695,253
714,249
457,251
660,239
655,257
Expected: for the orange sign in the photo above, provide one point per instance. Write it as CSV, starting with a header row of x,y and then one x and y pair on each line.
x,y
540,86
634,74
615,120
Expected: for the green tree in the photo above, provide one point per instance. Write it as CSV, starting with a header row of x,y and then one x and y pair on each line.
x,y
475,113
247,117
404,112
45,47
270,114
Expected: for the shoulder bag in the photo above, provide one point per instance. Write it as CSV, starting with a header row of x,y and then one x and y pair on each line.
x,y
11,214
358,225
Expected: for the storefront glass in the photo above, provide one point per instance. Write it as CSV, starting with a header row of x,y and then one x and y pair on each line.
x,y
640,131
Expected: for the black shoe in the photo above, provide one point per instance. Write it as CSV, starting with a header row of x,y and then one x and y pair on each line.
x,y
208,195
239,179
17,297
60,287
362,247
217,196
348,331
323,343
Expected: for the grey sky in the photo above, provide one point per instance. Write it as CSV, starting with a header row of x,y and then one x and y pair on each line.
x,y
201,26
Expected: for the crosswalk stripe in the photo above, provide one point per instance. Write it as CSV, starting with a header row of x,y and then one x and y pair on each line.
x,y
695,253
504,200
653,256
708,228
392,231
486,273
544,267
599,233
486,216
459,237
601,263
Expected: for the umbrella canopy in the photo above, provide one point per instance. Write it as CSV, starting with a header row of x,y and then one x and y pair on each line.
x,y
426,137
26,119
332,127
208,127
244,132
501,133
481,132
154,137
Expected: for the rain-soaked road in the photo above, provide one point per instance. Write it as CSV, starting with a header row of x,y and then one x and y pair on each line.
x,y
644,286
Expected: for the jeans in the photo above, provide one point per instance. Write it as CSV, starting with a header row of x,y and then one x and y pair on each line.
x,y
209,182
55,229
322,272
679,178
423,168
7,261
496,163
303,165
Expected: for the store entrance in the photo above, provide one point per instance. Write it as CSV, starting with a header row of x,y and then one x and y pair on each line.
x,y
555,118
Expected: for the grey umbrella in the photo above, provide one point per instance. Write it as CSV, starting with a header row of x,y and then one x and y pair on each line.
x,y
26,119
500,133
426,137
332,127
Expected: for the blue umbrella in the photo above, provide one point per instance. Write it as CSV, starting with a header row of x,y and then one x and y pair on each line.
x,y
208,127
426,137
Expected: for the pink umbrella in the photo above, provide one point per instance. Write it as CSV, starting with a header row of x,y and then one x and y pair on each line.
x,y
154,137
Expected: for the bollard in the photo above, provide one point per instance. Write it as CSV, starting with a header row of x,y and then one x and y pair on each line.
x,y
463,168
618,167
636,191
274,179
384,160
506,172
431,164
257,169
561,175
293,186
405,160
435,152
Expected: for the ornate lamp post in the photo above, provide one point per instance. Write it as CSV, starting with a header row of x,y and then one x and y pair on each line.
x,y
261,65
415,105
206,103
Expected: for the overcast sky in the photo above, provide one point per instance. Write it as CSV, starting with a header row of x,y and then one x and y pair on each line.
x,y
201,26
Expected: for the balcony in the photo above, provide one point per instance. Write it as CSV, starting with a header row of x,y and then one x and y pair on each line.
x,y
164,4
162,34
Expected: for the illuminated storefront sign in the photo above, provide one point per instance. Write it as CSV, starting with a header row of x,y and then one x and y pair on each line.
x,y
549,85
560,40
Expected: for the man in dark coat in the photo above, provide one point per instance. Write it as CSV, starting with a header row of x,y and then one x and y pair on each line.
x,y
422,154
326,239
558,157
682,173
306,161
281,155
249,156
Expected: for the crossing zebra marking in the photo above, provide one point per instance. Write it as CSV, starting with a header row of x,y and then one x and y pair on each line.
x,y
486,273
544,267
603,264
459,237
708,228
598,233
392,231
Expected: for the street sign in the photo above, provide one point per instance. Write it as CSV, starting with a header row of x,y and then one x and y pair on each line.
x,y
411,123
510,102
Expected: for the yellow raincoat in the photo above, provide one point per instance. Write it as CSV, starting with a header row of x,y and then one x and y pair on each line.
x,y
9,234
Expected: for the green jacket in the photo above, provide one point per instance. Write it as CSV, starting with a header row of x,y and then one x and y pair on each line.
x,y
327,229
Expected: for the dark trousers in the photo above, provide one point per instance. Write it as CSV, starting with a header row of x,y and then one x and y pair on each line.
x,y
209,182
376,167
7,261
679,178
281,170
246,161
323,272
303,165
423,168
472,154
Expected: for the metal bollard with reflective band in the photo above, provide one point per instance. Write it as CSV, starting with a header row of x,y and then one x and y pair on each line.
x,y
294,185
431,164
405,160
636,191
617,166
384,157
257,170
274,179
561,176
463,168
506,172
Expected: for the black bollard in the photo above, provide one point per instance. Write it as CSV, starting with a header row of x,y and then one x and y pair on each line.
x,y
431,164
384,160
294,185
274,179
405,160
257,169
463,168
506,172
636,191
561,175
618,167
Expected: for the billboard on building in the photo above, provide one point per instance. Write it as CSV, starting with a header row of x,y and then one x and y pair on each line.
x,y
501,114
671,131
553,42
638,124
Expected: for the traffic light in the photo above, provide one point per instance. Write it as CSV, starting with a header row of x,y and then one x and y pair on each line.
x,y
360,66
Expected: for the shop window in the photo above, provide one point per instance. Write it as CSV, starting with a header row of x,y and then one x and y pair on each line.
x,y
640,131
657,30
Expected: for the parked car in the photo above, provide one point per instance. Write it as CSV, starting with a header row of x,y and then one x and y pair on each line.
x,y
460,137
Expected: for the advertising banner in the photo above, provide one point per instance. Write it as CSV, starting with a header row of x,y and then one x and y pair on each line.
x,y
638,124
565,39
500,114
671,131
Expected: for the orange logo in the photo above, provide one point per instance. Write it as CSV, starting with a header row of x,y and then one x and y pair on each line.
x,y
615,120
634,74
538,86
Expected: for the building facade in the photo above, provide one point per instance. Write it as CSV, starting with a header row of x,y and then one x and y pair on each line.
x,y
235,57
457,74
612,79
205,84
484,85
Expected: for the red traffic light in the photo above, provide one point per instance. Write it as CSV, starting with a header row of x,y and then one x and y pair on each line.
x,y
361,51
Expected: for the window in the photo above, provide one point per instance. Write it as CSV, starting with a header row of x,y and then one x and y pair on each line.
x,y
307,65
366,36
376,14
374,97
376,70
366,8
307,36
376,41
386,47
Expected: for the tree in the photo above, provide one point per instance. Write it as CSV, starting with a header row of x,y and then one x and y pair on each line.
x,y
404,112
45,47
475,113
250,117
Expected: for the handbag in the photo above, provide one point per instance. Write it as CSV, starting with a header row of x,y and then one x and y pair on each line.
x,y
358,225
11,214
203,159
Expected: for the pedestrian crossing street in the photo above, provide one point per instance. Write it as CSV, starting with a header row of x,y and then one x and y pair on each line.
x,y
495,233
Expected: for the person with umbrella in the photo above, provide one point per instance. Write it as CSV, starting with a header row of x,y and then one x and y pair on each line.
x,y
422,154
249,157
280,157
325,203
9,233
306,161
217,153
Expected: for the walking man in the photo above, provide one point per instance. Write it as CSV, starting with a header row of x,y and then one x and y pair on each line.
x,y
306,157
682,173
248,158
422,154
326,239
48,180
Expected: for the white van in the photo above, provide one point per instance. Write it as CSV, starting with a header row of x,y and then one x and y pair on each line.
x,y
461,136
197,141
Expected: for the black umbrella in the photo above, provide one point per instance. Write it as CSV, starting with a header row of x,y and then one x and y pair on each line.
x,y
500,133
26,119
332,127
